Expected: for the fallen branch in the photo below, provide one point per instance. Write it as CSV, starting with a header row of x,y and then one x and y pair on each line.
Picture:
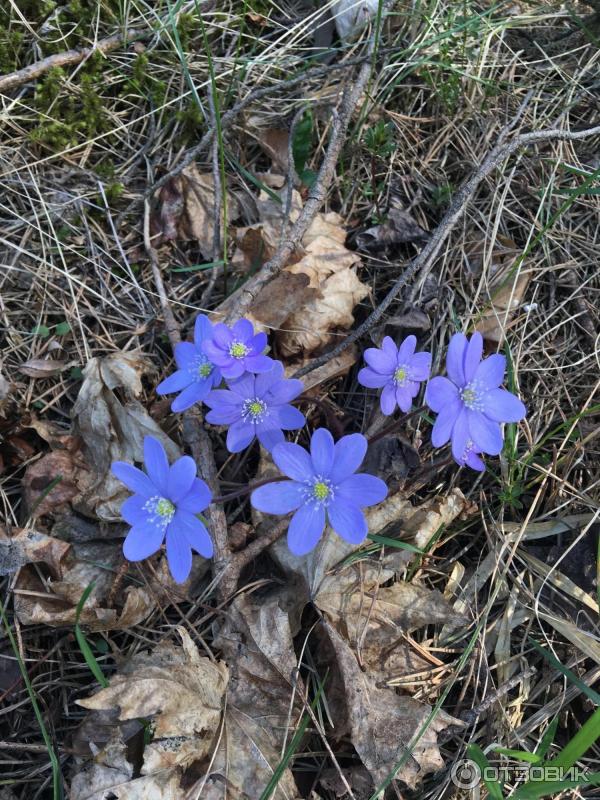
x,y
424,261
76,56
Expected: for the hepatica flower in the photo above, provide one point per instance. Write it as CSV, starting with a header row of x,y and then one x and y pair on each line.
x,y
257,405
399,370
165,504
323,488
470,403
196,375
238,349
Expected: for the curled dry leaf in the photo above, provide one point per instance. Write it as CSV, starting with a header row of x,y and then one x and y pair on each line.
x,y
380,722
183,694
399,228
186,209
351,16
50,483
112,425
42,367
261,713
52,598
27,546
504,287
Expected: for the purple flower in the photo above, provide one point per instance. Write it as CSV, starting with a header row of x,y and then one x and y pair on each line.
x,y
322,488
238,349
196,376
256,405
398,369
165,503
470,457
469,402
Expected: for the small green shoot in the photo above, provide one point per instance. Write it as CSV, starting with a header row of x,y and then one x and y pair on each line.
x,y
84,646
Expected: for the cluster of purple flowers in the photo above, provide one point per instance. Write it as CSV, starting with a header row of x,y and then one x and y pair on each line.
x,y
323,486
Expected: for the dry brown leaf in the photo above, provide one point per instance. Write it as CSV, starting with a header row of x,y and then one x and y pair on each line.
x,y
380,722
112,430
42,367
274,141
399,228
186,209
333,368
6,388
52,600
351,16
281,297
60,466
257,639
504,289
180,689
27,546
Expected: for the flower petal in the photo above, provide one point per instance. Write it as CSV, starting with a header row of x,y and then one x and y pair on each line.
x,y
133,511
485,433
379,360
179,553
439,393
181,478
293,461
306,528
134,479
371,379
233,369
258,363
217,355
290,419
461,436
388,398
388,345
442,428
156,462
348,521
224,416
503,406
258,343
185,352
284,390
175,383
266,380
490,373
221,335
474,461
244,386
322,452
455,359
472,356
407,349
194,532
197,498
349,454
224,398
203,329
280,497
239,436
269,437
420,366
142,541
362,490
404,398
243,330
193,394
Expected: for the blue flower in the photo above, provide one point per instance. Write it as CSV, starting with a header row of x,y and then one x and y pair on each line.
x,y
238,349
165,503
256,405
196,375
399,370
469,402
470,457
322,488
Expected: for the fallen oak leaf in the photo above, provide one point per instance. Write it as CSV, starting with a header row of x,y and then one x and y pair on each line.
x,y
50,483
43,367
27,546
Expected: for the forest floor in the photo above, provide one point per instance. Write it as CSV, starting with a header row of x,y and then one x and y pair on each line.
x,y
467,626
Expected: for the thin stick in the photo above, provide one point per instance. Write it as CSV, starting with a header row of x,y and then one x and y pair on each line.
x,y
247,293
426,257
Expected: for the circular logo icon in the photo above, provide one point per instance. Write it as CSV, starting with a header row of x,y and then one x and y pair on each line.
x,y
465,774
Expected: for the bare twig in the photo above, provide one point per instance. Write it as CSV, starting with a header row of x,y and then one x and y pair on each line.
x,y
426,257
76,56
218,197
316,197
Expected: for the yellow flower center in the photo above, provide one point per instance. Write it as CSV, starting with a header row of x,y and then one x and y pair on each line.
x,y
321,490
165,508
400,376
255,409
238,350
205,369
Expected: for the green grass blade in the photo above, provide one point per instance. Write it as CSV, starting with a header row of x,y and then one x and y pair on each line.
x,y
574,679
476,754
534,789
86,650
